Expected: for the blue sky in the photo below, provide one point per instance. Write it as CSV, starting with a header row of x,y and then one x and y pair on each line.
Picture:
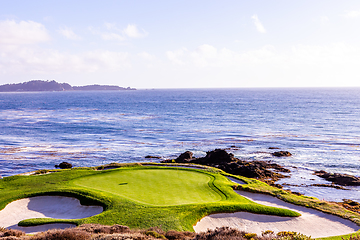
x,y
182,44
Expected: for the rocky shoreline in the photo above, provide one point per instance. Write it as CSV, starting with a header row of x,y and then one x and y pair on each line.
x,y
263,170
268,171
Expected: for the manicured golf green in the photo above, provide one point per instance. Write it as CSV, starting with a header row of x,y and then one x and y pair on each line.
x,y
138,196
155,186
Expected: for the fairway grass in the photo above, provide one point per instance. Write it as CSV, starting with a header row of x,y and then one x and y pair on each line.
x,y
155,186
137,196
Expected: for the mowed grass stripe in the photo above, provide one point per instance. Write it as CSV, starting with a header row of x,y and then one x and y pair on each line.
x,y
159,187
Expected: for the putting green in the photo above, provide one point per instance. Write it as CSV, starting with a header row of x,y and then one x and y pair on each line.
x,y
155,186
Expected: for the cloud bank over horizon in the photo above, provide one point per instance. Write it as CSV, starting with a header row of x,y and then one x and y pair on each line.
x,y
182,48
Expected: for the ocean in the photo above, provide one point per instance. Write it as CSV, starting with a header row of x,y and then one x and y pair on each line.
x,y
320,127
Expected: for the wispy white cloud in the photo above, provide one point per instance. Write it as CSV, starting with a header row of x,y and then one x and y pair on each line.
x,y
107,35
329,56
259,26
22,33
112,36
337,63
352,14
33,59
115,33
209,56
178,56
68,33
133,32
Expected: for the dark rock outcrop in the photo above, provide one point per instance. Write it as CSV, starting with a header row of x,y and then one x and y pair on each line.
x,y
184,157
64,165
282,154
219,158
149,156
338,178
216,157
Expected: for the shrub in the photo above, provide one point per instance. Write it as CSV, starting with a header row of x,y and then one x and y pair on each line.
x,y
119,228
299,236
286,233
133,236
155,234
13,232
223,233
68,234
356,237
250,235
267,232
175,235
101,167
98,228
41,171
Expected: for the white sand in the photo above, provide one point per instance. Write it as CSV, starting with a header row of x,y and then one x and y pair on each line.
x,y
45,207
311,222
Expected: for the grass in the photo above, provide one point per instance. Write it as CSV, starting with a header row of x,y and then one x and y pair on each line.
x,y
353,236
155,186
137,196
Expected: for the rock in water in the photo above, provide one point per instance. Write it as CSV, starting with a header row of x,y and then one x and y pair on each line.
x,y
338,178
281,154
225,161
184,157
64,165
218,156
156,157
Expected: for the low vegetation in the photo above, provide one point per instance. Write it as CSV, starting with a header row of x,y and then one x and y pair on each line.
x,y
115,232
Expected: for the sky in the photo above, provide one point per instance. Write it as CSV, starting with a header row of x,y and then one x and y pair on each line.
x,y
182,44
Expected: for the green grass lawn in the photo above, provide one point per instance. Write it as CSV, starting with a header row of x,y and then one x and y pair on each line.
x,y
138,196
155,186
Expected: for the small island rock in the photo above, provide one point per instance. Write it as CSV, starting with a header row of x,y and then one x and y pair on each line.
x,y
64,165
338,178
282,154
156,157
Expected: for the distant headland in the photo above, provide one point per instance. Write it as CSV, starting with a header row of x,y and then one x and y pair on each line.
x,y
41,86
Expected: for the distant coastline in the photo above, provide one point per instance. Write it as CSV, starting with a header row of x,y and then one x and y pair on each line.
x,y
50,86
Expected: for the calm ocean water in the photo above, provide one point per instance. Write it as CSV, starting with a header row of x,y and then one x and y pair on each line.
x,y
321,127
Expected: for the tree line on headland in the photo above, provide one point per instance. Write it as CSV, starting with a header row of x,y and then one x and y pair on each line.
x,y
40,85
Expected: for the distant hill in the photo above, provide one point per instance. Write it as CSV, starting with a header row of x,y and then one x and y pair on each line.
x,y
41,86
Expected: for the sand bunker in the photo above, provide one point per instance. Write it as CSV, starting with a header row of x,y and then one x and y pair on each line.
x,y
45,207
311,222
